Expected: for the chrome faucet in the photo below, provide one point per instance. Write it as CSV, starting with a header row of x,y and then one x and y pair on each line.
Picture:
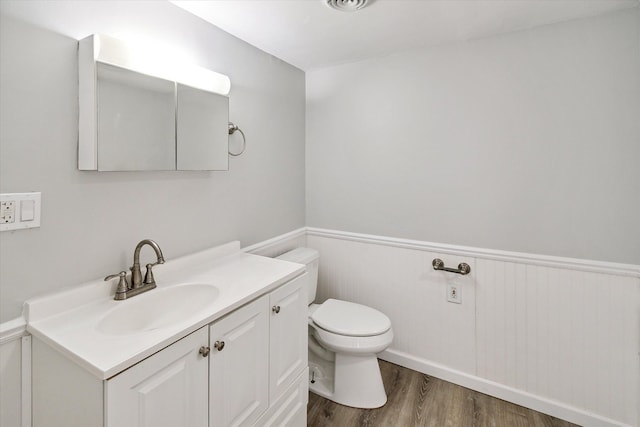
x,y
138,286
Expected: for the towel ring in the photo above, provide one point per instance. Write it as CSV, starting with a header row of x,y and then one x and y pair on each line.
x,y
232,129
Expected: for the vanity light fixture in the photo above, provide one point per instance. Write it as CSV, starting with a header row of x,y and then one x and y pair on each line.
x,y
348,5
147,60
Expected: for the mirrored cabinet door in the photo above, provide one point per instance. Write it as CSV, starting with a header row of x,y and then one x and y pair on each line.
x,y
202,134
136,121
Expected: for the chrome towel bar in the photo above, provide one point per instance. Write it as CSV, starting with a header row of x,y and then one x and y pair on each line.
x,y
463,267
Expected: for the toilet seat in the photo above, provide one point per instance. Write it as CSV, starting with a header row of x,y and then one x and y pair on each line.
x,y
352,345
350,319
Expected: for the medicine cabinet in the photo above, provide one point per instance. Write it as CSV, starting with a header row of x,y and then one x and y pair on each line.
x,y
140,113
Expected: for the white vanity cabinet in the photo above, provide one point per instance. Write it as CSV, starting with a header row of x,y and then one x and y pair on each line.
x,y
247,368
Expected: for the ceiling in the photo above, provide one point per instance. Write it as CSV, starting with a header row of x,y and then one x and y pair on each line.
x,y
309,35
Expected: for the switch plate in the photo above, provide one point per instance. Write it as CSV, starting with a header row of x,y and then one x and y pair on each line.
x,y
19,210
453,293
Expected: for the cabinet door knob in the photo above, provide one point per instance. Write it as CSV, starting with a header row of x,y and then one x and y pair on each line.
x,y
218,345
275,309
204,351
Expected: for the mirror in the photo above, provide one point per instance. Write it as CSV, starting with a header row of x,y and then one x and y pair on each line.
x,y
136,117
136,121
203,119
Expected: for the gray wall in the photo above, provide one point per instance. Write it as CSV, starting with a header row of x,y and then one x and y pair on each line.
x,y
91,221
527,142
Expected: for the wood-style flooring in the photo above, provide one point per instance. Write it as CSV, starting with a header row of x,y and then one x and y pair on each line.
x,y
416,400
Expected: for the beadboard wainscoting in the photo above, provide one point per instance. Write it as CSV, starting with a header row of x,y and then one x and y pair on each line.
x,y
561,336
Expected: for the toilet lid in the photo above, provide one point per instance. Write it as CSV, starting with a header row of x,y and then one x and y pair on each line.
x,y
351,319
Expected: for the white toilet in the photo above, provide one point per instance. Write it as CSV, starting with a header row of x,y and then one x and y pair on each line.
x,y
344,338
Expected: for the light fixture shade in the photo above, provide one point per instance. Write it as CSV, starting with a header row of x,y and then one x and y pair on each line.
x,y
112,51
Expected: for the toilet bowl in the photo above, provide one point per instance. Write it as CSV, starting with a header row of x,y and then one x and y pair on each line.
x,y
344,338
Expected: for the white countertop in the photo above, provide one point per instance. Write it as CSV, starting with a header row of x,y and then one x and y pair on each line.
x,y
67,320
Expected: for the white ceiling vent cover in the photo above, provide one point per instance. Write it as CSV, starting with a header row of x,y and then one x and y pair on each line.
x,y
348,5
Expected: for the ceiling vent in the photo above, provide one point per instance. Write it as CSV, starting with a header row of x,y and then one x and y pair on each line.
x,y
348,5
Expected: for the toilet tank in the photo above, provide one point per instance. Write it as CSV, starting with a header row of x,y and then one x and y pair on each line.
x,y
310,258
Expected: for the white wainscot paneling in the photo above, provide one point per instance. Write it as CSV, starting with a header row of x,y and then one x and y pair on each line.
x,y
402,284
567,335
558,335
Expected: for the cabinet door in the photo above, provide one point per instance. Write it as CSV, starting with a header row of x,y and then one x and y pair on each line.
x,y
167,389
239,366
288,334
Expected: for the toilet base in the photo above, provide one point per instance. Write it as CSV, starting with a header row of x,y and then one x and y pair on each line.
x,y
351,380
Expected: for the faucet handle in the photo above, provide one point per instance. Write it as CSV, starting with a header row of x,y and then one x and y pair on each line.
x,y
123,286
148,277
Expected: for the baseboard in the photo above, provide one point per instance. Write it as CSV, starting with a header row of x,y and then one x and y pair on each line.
x,y
519,397
492,254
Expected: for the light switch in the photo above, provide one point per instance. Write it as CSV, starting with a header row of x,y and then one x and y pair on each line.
x,y
27,210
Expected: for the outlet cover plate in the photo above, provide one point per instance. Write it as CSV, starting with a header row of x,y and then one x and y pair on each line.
x,y
453,293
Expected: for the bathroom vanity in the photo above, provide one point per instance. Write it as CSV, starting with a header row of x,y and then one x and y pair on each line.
x,y
222,341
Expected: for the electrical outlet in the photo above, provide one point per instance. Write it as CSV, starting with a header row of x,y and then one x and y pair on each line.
x,y
7,211
453,294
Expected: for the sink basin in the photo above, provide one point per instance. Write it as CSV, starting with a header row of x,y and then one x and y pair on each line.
x,y
157,309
